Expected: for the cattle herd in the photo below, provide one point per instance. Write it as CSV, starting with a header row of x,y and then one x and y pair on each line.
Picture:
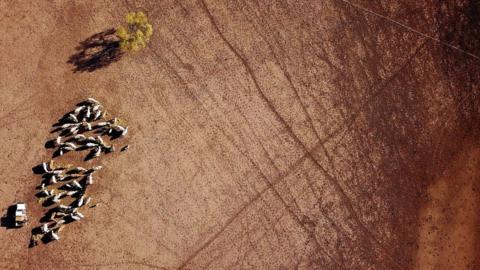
x,y
63,187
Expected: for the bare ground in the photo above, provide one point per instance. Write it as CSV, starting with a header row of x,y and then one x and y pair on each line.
x,y
265,134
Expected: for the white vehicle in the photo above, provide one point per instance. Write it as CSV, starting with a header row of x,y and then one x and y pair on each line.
x,y
20,214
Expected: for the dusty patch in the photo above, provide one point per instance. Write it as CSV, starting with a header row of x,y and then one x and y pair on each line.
x,y
449,228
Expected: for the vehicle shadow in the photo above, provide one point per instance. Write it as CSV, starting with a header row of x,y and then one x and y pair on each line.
x,y
8,221
97,51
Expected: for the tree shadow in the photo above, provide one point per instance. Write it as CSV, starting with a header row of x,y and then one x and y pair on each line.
x,y
97,51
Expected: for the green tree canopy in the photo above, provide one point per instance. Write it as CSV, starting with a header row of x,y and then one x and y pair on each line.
x,y
136,34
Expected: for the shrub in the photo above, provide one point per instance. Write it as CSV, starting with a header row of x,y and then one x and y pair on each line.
x,y
136,34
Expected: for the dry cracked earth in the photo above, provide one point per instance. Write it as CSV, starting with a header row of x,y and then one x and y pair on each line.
x,y
323,134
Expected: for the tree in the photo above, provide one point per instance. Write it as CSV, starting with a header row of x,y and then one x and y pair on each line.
x,y
136,34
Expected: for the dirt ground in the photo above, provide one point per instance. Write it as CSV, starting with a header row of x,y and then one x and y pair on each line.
x,y
264,134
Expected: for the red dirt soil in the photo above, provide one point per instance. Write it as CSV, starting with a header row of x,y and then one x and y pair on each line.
x,y
264,134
